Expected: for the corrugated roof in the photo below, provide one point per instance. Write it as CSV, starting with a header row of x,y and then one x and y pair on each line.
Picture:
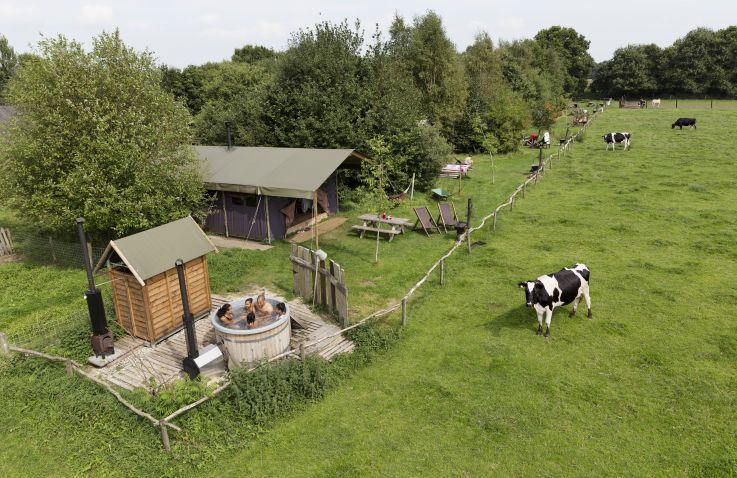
x,y
154,251
285,172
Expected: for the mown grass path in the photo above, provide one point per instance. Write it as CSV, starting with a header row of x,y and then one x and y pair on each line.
x,y
647,388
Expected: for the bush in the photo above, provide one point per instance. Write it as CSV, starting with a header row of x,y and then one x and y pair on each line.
x,y
508,117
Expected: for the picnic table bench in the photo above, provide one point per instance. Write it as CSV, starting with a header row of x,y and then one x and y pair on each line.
x,y
373,222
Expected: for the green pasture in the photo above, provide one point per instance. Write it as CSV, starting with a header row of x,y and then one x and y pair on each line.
x,y
646,388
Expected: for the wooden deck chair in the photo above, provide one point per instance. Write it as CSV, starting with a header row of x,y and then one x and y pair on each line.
x,y
425,220
448,217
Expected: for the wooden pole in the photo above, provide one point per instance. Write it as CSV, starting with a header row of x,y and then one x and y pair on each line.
x,y
225,212
442,272
376,255
494,225
302,351
524,188
314,220
268,223
676,103
164,436
412,189
70,369
4,345
51,246
404,312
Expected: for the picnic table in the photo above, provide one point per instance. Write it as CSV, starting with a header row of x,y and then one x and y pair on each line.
x,y
373,222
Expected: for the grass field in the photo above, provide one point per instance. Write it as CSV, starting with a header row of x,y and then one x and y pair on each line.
x,y
646,388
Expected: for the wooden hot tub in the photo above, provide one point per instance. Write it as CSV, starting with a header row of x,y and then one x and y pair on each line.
x,y
251,345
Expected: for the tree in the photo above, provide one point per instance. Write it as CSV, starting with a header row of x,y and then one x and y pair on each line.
x,y
432,60
632,71
96,136
317,98
574,49
252,54
231,92
8,63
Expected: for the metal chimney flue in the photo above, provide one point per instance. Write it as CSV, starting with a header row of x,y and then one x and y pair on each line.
x,y
189,364
230,135
101,338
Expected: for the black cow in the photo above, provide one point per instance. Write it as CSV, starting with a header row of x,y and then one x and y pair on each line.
x,y
617,138
552,290
681,122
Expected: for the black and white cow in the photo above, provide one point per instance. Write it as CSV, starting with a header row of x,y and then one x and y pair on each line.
x,y
617,138
681,122
560,288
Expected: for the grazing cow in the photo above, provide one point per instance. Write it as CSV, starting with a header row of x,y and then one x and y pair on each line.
x,y
617,138
655,103
681,122
561,288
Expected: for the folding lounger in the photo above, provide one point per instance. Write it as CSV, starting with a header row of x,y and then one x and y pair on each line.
x,y
448,217
425,220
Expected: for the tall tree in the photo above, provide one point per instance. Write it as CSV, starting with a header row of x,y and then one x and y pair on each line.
x,y
317,98
435,66
574,49
633,71
8,63
96,136
252,54
232,92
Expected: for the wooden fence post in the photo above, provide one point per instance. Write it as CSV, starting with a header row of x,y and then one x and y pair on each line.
x,y
164,436
442,272
494,224
70,368
302,351
404,312
4,345
51,246
524,188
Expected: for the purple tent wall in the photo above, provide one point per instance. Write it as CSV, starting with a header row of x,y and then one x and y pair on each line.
x,y
215,221
277,220
331,187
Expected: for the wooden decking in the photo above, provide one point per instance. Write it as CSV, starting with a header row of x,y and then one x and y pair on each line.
x,y
142,366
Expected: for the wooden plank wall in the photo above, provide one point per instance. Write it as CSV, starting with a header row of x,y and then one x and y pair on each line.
x,y
155,311
331,293
6,243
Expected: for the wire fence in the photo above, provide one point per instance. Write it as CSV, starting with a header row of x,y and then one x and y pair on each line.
x,y
49,250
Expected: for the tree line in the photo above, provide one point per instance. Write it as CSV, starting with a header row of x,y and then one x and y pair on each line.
x,y
702,63
105,133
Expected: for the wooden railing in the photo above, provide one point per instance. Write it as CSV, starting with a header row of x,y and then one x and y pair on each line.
x,y
327,289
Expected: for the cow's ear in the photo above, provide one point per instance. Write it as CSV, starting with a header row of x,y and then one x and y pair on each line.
x,y
522,285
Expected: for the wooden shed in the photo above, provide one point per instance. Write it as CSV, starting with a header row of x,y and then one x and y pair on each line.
x,y
144,279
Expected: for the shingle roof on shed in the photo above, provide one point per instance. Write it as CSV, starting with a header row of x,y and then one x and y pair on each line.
x,y
154,251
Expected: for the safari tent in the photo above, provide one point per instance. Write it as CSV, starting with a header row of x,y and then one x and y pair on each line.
x,y
266,193
144,279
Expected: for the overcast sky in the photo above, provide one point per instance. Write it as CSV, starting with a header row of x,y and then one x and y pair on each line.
x,y
193,32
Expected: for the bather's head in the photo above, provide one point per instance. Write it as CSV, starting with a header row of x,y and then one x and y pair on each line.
x,y
281,308
225,311
250,318
248,303
260,300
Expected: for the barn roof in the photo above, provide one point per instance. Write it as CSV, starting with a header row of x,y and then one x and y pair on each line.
x,y
285,172
154,251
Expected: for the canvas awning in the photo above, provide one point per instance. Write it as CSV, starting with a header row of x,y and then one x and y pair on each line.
x,y
284,172
154,251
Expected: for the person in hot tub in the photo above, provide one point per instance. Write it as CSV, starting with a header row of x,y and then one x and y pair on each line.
x,y
262,308
225,314
247,309
280,310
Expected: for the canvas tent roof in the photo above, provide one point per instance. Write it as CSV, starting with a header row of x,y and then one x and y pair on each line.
x,y
285,172
154,251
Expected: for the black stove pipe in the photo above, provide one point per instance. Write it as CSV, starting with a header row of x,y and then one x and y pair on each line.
x,y
192,352
230,135
102,339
